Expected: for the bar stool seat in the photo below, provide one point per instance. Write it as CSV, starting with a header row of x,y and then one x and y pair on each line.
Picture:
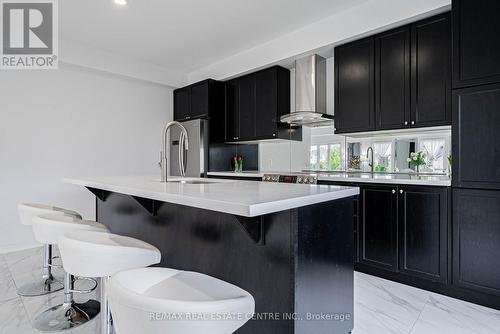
x,y
162,300
69,314
48,228
47,283
28,211
97,254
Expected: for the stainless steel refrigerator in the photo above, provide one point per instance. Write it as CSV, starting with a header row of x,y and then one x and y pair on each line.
x,y
196,163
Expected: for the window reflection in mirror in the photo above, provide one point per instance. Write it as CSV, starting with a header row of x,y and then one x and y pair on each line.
x,y
354,156
403,148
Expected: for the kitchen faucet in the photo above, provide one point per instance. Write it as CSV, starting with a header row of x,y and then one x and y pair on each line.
x,y
370,159
183,146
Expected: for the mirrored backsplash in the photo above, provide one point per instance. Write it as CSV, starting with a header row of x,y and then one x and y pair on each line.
x,y
393,152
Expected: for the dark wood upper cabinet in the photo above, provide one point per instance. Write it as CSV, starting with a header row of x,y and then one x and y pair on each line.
x,y
392,79
397,79
423,232
431,72
266,103
379,227
247,107
200,99
476,139
254,104
182,103
354,86
476,235
476,50
232,110
204,99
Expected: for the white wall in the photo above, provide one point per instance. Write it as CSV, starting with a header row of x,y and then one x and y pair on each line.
x,y
289,156
72,122
369,17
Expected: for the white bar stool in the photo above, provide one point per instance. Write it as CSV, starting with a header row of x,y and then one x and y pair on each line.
x,y
27,211
96,254
69,314
161,300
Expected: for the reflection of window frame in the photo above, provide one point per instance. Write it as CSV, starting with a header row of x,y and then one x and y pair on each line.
x,y
377,156
316,164
444,157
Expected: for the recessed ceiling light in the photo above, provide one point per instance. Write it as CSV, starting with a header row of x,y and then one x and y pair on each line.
x,y
121,2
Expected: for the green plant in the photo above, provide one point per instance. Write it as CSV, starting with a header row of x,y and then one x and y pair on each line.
x,y
334,159
417,159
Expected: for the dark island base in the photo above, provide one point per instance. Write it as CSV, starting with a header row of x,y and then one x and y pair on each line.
x,y
303,264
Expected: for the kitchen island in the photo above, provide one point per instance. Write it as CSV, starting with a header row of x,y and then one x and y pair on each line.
x,y
289,245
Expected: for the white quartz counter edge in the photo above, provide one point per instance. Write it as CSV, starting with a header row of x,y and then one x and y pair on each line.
x,y
435,181
203,201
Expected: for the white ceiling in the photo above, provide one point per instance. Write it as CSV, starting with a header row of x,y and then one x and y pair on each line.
x,y
184,35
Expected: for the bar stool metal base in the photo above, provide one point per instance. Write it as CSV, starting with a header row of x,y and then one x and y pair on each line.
x,y
44,287
66,316
47,284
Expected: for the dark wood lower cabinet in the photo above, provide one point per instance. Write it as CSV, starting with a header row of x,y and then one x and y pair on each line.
x,y
428,251
476,236
423,232
379,227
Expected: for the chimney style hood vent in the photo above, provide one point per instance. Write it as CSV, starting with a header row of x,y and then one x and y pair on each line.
x,y
310,93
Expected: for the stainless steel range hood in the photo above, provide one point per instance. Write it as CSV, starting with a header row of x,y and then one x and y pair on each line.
x,y
310,93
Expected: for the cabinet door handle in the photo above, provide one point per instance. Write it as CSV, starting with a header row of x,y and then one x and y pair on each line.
x,y
412,122
393,191
406,122
401,191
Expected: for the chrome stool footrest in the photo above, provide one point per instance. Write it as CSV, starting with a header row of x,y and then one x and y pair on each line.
x,y
52,265
84,279
68,314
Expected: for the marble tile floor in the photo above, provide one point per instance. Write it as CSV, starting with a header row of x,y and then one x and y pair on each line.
x,y
381,306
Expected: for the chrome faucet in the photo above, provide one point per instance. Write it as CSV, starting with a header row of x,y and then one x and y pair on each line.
x,y
370,158
183,146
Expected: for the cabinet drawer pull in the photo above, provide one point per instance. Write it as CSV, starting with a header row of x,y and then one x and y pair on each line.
x,y
393,191
401,191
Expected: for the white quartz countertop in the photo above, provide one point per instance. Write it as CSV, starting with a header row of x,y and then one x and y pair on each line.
x,y
407,179
244,198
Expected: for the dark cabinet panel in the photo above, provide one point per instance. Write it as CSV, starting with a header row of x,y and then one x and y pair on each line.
x,y
254,104
354,87
396,79
266,103
392,79
379,227
199,99
232,110
423,226
476,51
476,240
204,99
247,107
476,139
182,103
431,72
